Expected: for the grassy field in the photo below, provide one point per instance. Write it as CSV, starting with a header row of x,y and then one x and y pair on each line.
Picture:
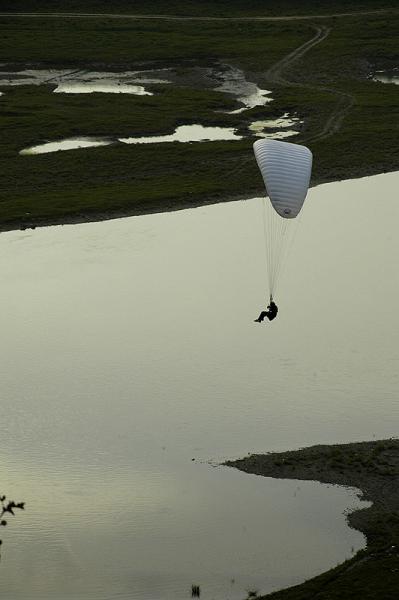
x,y
199,7
90,183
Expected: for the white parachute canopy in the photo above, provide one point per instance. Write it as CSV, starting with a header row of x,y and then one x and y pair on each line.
x,y
286,170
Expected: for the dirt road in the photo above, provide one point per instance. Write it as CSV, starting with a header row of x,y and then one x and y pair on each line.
x,y
344,100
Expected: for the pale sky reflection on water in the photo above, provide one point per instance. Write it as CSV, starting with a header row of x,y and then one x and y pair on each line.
x,y
387,76
129,348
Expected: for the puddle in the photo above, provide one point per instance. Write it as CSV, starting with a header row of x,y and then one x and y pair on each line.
x,y
224,78
274,129
391,76
86,82
249,94
69,144
267,129
188,133
108,83
110,87
184,133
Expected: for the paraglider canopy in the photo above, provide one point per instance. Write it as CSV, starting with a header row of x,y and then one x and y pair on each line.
x,y
286,170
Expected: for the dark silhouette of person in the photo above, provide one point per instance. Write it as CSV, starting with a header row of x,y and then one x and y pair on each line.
x,y
270,313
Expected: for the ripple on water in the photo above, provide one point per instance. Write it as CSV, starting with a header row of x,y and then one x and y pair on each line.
x,y
118,399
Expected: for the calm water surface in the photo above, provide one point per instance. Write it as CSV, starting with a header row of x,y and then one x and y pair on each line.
x,y
129,349
84,82
184,133
387,76
69,144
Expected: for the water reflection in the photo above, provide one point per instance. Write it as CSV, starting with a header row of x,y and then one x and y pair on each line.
x,y
184,134
68,144
275,128
151,530
387,76
128,348
85,82
248,93
107,87
188,133
8,508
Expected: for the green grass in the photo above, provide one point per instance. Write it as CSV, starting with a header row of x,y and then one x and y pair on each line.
x,y
198,7
75,41
376,577
117,177
149,178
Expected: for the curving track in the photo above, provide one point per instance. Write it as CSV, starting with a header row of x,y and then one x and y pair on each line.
x,y
344,100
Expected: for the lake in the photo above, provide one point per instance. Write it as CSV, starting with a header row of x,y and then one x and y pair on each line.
x,y
129,349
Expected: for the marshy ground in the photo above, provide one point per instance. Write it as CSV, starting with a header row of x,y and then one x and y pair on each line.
x,y
317,70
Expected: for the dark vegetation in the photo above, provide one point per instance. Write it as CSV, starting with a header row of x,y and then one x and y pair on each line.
x,y
119,179
195,591
124,42
7,507
373,467
198,7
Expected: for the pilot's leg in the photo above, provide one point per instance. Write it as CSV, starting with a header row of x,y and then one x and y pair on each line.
x,y
261,317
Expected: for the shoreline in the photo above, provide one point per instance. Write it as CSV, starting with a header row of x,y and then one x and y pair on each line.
x,y
158,207
371,467
101,185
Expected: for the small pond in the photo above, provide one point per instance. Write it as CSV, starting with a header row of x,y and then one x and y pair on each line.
x,y
275,128
184,134
188,133
223,78
391,76
68,144
249,94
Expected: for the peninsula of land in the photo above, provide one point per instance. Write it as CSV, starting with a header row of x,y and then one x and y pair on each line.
x,y
373,468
